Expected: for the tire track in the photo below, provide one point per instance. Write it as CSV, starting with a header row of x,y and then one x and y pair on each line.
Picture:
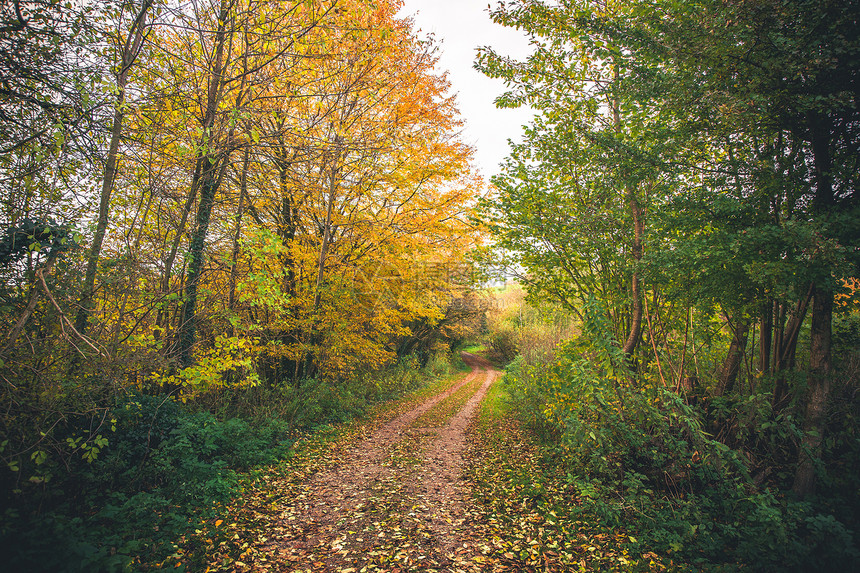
x,y
438,483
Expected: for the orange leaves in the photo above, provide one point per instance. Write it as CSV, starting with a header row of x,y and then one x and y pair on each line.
x,y
850,299
358,181
332,126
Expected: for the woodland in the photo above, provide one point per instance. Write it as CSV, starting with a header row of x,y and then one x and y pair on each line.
x,y
243,241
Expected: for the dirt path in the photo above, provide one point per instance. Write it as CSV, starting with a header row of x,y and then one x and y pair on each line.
x,y
437,482
392,502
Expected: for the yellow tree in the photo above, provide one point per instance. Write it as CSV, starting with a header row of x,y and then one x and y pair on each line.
x,y
371,182
325,189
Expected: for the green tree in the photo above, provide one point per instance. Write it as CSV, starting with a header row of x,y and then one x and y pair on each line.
x,y
126,47
574,198
712,146
778,81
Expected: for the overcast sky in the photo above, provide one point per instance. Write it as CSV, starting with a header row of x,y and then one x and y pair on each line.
x,y
460,26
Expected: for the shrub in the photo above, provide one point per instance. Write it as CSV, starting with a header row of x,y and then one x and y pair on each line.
x,y
162,465
651,466
503,342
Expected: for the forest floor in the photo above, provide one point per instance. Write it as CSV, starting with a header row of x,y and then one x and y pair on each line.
x,y
389,495
436,482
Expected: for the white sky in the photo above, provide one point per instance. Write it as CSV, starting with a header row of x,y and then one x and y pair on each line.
x,y
460,27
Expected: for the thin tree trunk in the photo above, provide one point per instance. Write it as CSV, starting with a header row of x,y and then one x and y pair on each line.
x,y
787,349
635,208
188,324
130,52
234,255
653,343
765,337
32,301
732,364
635,287
288,222
779,315
326,230
210,179
162,320
681,377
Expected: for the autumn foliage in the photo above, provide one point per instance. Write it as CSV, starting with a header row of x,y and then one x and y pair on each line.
x,y
285,173
224,201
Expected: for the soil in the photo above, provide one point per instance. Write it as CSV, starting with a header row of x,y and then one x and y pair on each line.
x,y
394,500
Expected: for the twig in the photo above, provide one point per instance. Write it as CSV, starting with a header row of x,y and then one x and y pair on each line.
x,y
63,317
684,351
653,345
32,301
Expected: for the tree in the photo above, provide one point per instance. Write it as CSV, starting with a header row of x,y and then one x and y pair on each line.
x,y
595,148
334,133
361,196
729,132
49,125
226,79
128,47
780,78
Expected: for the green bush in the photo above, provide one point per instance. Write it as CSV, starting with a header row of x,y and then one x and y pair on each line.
x,y
652,467
503,342
163,465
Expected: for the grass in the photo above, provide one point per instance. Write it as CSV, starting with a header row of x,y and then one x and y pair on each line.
x,y
496,403
476,348
530,513
442,412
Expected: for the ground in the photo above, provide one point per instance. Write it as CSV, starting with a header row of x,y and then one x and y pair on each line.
x,y
388,497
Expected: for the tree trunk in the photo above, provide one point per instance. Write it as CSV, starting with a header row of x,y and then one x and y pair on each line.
x,y
234,255
32,301
162,319
635,287
822,318
210,180
635,208
326,229
785,352
188,326
734,359
766,337
818,392
287,223
129,55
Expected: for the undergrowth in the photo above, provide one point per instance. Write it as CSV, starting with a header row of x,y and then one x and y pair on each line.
x,y
532,514
165,469
634,461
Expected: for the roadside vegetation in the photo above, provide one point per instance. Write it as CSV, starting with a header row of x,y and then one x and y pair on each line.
x,y
223,225
232,230
578,464
687,192
171,473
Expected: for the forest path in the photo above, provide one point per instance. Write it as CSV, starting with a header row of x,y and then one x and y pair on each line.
x,y
390,500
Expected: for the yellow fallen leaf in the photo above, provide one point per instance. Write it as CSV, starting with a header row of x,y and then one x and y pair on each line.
x,y
219,522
